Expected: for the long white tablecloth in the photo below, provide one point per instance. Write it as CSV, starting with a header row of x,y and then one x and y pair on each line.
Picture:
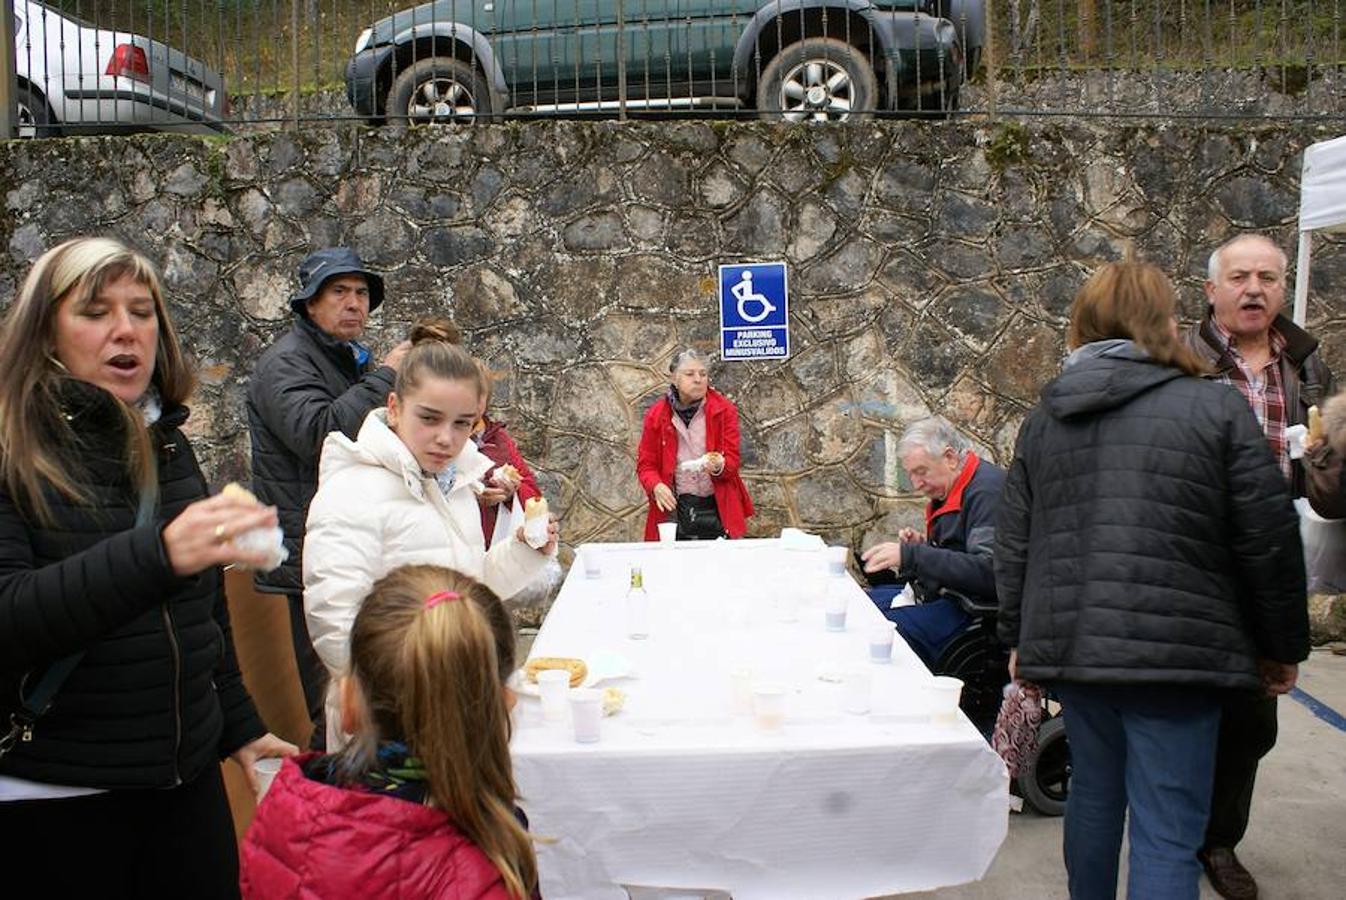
x,y
681,793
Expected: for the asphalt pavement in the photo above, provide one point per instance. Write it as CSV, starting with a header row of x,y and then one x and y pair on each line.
x,y
1298,829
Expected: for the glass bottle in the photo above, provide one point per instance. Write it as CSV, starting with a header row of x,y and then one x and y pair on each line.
x,y
637,607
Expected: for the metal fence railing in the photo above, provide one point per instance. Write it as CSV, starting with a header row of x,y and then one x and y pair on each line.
x,y
211,64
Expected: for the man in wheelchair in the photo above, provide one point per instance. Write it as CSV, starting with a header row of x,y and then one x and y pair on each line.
x,y
949,568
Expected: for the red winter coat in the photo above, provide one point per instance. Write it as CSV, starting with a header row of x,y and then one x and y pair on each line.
x,y
658,457
495,442
310,840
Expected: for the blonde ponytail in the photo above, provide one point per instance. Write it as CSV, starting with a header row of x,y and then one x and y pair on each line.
x,y
433,676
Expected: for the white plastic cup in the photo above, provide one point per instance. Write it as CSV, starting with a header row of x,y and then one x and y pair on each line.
x,y
638,615
737,611
586,710
834,615
811,587
943,693
554,685
787,605
740,690
1295,437
668,533
593,562
265,771
768,706
881,642
856,690
836,560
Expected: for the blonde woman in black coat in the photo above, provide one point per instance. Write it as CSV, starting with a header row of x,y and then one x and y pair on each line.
x,y
119,690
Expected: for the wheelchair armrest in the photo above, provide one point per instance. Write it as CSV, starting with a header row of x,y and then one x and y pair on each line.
x,y
969,605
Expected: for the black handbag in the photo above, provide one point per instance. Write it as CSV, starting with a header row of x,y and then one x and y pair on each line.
x,y
698,518
37,701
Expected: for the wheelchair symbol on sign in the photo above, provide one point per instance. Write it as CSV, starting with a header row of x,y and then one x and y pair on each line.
x,y
745,296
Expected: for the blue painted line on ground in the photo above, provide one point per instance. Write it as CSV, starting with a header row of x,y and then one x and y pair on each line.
x,y
1320,709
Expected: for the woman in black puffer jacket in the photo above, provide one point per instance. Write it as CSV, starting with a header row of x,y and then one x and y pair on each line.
x,y
119,690
1147,559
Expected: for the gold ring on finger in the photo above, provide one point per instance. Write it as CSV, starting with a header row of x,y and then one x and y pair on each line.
x,y
221,535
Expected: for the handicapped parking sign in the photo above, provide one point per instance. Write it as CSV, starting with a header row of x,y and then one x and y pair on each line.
x,y
754,311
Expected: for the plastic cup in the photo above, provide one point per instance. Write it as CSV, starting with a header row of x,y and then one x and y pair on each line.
x,y
768,706
740,690
586,710
554,685
638,615
943,693
811,587
856,690
668,533
265,771
881,642
836,560
834,615
737,611
1295,437
593,562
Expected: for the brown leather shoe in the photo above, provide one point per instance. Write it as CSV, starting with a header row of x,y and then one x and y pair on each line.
x,y
1227,875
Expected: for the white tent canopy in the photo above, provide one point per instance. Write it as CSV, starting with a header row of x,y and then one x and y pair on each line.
x,y
1322,206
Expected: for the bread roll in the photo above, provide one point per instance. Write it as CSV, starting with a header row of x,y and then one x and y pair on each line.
x,y
576,667
236,491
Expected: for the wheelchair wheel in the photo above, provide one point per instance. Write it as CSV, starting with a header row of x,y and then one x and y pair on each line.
x,y
1047,782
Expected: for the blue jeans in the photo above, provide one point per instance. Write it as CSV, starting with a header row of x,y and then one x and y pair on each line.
x,y
1152,749
926,627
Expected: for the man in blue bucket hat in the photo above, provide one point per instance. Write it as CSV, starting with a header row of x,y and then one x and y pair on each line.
x,y
316,379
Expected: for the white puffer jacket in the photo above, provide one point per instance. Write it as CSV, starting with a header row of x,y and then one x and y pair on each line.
x,y
375,511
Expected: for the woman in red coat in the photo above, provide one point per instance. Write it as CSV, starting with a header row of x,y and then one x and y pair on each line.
x,y
688,458
493,439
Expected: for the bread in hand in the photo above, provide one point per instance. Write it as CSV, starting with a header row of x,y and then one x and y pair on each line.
x,y
236,491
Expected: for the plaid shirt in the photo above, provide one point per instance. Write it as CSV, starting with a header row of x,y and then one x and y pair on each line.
x,y
1262,390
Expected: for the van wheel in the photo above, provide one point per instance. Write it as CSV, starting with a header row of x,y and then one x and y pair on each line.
x,y
817,80
1046,784
33,117
439,89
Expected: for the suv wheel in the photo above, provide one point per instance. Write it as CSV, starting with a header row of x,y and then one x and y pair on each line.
x,y
33,118
818,80
440,89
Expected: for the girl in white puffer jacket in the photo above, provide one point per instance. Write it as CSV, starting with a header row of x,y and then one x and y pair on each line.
x,y
401,493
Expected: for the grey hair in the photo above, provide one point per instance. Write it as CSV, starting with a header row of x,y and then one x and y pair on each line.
x,y
690,353
1216,261
933,435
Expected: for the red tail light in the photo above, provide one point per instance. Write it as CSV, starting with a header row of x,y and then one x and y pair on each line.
x,y
129,61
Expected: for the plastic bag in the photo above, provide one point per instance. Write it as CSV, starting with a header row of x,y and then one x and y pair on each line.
x,y
1015,736
1324,550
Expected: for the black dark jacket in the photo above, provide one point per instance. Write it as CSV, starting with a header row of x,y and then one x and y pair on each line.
x,y
157,696
1146,535
305,386
960,538
1305,378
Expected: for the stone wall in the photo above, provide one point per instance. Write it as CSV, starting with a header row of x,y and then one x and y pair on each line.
x,y
931,268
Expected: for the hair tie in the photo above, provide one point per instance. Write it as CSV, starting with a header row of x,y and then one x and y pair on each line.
x,y
440,597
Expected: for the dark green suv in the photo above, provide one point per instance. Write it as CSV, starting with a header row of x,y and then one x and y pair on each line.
x,y
795,59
